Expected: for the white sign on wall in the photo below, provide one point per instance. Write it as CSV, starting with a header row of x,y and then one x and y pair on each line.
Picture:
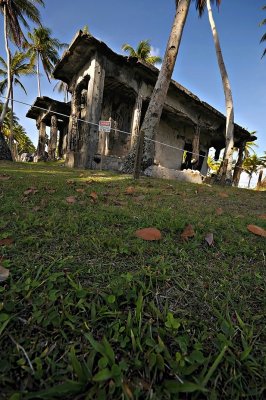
x,y
105,126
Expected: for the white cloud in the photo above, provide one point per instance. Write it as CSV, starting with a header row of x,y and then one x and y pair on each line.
x,y
155,51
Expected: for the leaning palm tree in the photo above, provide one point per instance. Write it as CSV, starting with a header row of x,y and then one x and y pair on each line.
x,y
142,52
43,48
15,12
227,164
263,39
20,66
155,108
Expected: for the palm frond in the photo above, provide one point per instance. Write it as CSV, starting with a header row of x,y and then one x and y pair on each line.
x,y
202,4
129,49
17,82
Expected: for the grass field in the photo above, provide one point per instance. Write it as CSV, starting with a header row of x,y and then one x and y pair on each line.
x,y
90,311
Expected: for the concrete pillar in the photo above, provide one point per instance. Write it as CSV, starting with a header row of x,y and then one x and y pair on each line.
x,y
41,143
53,138
90,139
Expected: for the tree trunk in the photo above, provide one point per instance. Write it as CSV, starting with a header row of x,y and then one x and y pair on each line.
x,y
38,75
259,179
249,181
226,173
5,153
11,137
155,108
238,167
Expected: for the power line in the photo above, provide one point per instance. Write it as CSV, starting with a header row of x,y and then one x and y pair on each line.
x,y
92,123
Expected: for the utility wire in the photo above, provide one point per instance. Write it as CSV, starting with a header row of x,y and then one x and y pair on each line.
x,y
92,123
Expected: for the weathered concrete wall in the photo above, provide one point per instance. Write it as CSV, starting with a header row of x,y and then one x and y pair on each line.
x,y
167,156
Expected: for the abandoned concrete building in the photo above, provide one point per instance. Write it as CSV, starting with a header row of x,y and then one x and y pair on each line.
x,y
107,86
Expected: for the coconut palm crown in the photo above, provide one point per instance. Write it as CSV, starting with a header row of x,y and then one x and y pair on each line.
x,y
17,13
142,52
43,47
20,65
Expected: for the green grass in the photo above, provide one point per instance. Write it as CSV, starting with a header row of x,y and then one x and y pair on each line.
x,y
92,312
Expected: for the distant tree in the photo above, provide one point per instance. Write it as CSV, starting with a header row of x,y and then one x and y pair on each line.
x,y
252,165
142,52
62,87
20,66
244,151
43,48
263,39
24,144
15,12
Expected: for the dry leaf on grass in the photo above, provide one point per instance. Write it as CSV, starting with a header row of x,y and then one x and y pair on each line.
x,y
262,216
37,208
50,191
149,234
79,190
90,181
6,241
4,273
223,194
257,230
209,239
71,199
70,182
188,232
94,196
130,190
4,177
219,211
119,203
31,190
140,198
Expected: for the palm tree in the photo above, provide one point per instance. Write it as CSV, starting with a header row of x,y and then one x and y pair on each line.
x,y
19,66
252,165
15,12
227,164
263,39
24,143
155,108
154,111
142,52
42,47
62,87
244,151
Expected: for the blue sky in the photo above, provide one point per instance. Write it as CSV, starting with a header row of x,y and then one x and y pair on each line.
x,y
126,21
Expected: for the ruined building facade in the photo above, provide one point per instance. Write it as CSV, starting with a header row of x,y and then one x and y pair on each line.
x,y
107,86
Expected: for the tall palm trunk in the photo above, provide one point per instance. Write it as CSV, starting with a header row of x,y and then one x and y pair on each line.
x,y
5,153
249,181
38,74
226,168
11,138
155,108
